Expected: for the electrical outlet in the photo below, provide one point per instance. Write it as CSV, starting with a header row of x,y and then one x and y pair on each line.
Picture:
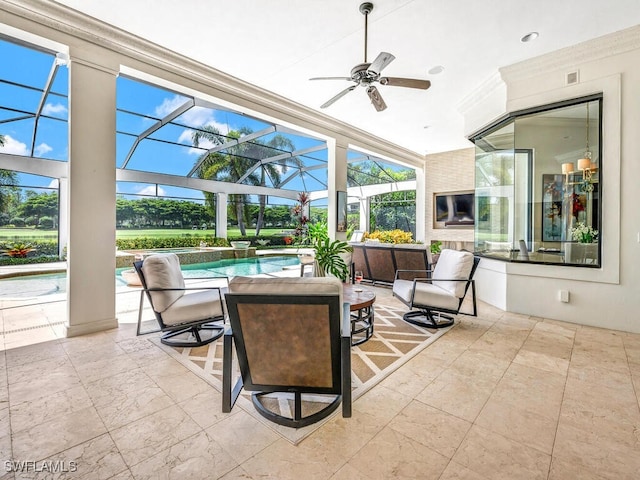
x,y
564,296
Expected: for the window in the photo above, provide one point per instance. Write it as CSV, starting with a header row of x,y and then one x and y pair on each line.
x,y
538,185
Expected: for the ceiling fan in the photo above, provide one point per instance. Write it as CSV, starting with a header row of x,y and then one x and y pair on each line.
x,y
366,74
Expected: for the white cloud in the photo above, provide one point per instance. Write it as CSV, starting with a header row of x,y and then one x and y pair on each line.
x,y
151,190
186,137
50,108
14,147
42,149
53,183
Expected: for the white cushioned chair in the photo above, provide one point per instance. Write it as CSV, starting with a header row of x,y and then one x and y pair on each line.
x,y
191,317
292,337
438,293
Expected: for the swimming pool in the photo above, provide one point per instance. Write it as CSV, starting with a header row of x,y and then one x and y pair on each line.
x,y
31,286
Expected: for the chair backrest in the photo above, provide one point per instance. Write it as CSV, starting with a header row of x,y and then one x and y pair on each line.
x,y
454,265
287,332
161,270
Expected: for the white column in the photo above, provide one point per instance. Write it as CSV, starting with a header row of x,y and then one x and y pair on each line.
x,y
421,205
91,304
63,215
221,215
365,210
337,182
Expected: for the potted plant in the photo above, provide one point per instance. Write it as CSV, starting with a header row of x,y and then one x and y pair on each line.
x,y
328,259
435,248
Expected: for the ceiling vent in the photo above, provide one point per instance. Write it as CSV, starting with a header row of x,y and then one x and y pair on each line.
x,y
572,78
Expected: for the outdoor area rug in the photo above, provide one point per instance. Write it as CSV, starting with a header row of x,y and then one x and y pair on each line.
x,y
394,342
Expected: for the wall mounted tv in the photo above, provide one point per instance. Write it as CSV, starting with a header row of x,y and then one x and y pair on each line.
x,y
454,209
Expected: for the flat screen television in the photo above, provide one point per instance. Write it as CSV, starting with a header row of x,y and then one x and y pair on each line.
x,y
454,209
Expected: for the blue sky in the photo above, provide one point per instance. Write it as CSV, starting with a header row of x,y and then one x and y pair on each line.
x,y
139,104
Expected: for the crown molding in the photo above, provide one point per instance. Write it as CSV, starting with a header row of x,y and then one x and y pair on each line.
x,y
485,90
595,49
68,26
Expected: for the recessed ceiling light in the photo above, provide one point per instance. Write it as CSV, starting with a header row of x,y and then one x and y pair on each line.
x,y
530,37
436,70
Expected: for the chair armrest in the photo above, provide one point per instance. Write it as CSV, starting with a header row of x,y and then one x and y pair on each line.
x,y
412,271
180,289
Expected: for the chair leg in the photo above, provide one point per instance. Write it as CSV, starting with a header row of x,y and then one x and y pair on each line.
x,y
426,319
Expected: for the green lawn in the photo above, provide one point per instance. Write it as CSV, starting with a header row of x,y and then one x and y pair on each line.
x,y
26,234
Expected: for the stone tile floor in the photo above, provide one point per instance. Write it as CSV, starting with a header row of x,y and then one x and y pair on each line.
x,y
501,396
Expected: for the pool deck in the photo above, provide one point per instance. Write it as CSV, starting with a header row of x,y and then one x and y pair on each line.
x,y
7,271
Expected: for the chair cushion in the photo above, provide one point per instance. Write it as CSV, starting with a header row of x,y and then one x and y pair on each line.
x,y
453,265
193,306
286,286
427,295
162,270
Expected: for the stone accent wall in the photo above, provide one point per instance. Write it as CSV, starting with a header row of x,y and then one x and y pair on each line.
x,y
448,172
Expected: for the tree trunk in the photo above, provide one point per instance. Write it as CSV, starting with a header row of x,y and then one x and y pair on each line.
x,y
260,221
240,217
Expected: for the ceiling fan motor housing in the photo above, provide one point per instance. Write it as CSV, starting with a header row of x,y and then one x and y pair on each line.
x,y
366,8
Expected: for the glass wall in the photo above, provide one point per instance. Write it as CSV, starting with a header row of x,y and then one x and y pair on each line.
x,y
538,185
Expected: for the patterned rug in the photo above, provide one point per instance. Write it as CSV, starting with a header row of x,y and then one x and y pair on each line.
x,y
393,343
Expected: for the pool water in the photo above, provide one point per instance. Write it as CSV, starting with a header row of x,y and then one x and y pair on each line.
x,y
56,283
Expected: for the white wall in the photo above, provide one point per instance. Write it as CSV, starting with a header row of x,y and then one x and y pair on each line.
x,y
608,296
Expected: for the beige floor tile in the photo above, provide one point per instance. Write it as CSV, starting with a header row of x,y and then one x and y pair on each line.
x,y
499,344
381,403
33,353
594,453
92,371
458,395
341,438
35,387
562,470
479,365
537,391
397,456
25,415
94,459
516,422
149,435
196,457
455,471
206,408
237,473
182,386
241,435
283,461
125,398
412,377
498,458
60,433
433,428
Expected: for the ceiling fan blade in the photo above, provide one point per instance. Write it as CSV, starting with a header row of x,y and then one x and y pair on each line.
x,y
381,61
376,99
338,96
330,78
405,82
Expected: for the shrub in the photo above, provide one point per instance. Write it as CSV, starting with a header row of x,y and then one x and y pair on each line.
x,y
46,222
18,221
144,243
390,236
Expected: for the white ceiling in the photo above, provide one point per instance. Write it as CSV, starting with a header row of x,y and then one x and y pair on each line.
x,y
279,44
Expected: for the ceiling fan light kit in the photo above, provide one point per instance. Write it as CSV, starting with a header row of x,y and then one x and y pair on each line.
x,y
365,74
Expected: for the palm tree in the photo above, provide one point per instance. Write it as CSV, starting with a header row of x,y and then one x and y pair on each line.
x,y
8,178
224,168
232,167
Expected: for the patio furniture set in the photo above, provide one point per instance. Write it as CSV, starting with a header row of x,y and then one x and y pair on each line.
x,y
294,334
